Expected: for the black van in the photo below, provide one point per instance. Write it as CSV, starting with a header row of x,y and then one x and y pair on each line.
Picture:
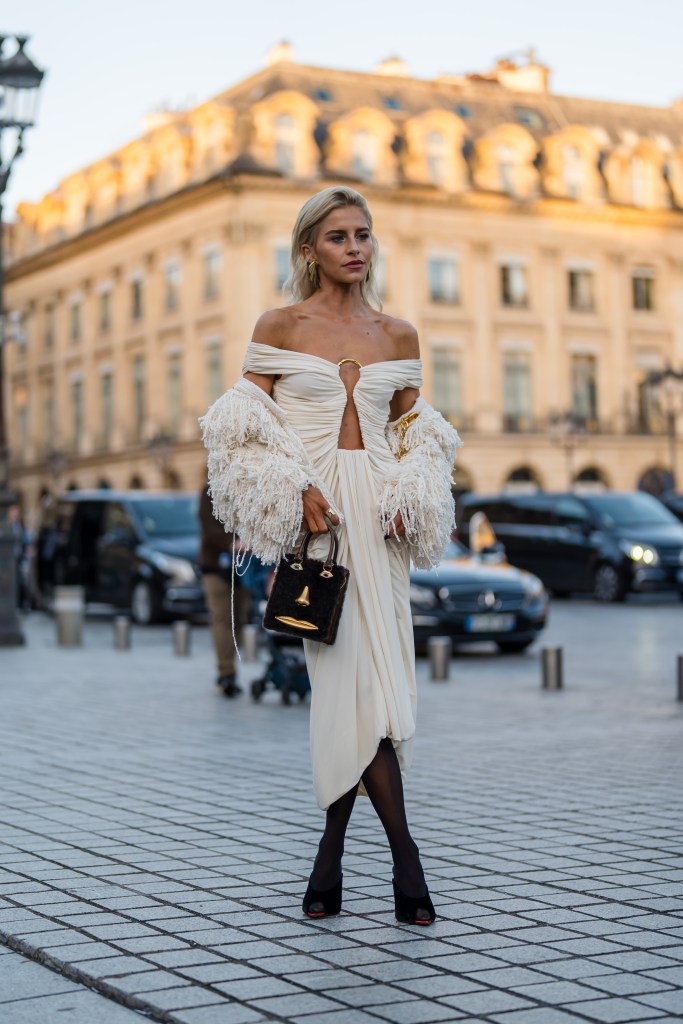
x,y
606,543
136,550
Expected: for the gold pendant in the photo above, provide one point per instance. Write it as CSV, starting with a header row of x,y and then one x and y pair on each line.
x,y
304,598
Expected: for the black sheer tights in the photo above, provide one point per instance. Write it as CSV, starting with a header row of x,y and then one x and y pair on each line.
x,y
384,786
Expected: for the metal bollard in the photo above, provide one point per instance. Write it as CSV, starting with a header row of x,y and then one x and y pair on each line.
x,y
439,649
122,633
69,606
250,635
680,677
551,662
181,638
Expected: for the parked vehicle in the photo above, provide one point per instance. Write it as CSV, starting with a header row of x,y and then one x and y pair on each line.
x,y
674,503
609,544
471,599
135,550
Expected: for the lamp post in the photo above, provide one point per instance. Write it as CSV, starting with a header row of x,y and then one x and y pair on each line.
x,y
19,84
667,386
568,430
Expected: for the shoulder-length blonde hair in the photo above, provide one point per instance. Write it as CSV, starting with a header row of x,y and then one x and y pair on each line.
x,y
299,285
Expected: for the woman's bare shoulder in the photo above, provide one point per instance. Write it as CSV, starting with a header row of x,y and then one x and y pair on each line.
x,y
404,337
274,327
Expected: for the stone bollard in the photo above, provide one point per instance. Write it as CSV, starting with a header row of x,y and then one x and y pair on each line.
x,y
122,633
680,677
250,635
439,649
181,638
69,608
551,663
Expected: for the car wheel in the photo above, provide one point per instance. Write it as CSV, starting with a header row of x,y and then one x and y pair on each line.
x,y
513,646
608,584
144,604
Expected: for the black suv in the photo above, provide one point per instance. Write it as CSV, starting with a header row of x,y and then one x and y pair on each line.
x,y
135,550
608,543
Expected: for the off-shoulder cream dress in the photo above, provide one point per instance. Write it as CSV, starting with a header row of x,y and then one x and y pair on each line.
x,y
363,687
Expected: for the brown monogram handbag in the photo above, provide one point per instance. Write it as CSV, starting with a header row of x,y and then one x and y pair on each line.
x,y
308,595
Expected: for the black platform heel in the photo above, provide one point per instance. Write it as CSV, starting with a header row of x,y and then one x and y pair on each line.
x,y
406,907
331,900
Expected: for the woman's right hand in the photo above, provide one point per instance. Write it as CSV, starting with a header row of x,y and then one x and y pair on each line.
x,y
315,507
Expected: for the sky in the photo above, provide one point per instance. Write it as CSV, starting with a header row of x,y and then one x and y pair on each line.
x,y
109,64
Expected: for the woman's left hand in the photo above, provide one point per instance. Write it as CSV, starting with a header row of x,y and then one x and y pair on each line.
x,y
397,525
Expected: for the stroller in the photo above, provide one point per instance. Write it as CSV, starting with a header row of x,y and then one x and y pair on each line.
x,y
286,669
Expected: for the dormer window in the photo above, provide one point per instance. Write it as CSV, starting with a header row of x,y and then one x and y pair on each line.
x,y
363,154
506,158
641,182
285,143
573,169
436,157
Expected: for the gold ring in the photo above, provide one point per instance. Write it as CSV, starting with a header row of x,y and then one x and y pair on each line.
x,y
330,512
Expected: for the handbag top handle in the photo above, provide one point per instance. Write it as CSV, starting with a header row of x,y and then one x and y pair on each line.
x,y
330,561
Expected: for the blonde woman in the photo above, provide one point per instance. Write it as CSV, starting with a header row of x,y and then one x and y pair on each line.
x,y
327,420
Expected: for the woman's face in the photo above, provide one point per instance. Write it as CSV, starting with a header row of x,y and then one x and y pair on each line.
x,y
343,246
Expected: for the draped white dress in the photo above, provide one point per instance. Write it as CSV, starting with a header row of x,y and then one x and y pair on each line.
x,y
363,687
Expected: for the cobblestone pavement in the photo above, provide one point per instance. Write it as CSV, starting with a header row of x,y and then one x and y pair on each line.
x,y
155,840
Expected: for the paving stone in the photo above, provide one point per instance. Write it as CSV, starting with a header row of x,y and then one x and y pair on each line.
x,y
614,1010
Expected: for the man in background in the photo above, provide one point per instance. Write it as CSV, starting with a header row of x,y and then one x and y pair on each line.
x,y
215,560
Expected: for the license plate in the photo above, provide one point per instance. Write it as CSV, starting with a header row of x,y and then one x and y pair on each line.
x,y
489,623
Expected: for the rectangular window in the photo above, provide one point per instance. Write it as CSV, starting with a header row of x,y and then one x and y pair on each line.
x,y
643,290
514,289
105,311
584,370
446,383
75,321
443,280
21,420
136,307
76,413
171,287
49,336
174,393
107,407
214,373
212,263
281,267
517,415
49,424
138,397
581,290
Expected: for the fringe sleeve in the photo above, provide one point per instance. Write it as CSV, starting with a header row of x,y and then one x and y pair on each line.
x,y
420,487
258,470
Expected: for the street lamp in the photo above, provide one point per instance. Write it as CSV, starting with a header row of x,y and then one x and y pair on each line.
x,y
568,430
19,84
667,387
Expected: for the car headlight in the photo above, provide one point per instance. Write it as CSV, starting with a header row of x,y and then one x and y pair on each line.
x,y
422,597
533,588
179,569
641,553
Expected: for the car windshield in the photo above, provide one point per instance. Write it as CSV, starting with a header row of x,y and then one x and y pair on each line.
x,y
456,550
628,510
168,517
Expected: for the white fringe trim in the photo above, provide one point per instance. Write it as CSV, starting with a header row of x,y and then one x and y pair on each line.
x,y
420,488
258,471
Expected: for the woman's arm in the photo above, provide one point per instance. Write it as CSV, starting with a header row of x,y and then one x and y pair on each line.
x,y
407,346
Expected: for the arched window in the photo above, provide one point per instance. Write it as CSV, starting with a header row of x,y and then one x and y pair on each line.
x,y
364,152
506,158
437,157
591,478
285,143
522,478
573,168
136,483
656,480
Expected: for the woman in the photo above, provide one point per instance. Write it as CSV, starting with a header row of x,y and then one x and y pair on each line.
x,y
327,421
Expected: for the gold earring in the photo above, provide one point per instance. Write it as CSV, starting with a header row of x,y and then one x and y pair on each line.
x,y
313,273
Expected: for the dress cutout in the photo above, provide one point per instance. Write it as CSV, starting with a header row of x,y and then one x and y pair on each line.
x,y
363,687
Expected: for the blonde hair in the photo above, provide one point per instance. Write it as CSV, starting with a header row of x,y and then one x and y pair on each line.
x,y
299,284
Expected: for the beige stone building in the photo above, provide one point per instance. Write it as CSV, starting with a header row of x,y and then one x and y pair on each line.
x,y
535,241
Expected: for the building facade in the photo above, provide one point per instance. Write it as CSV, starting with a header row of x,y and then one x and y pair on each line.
x,y
534,240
